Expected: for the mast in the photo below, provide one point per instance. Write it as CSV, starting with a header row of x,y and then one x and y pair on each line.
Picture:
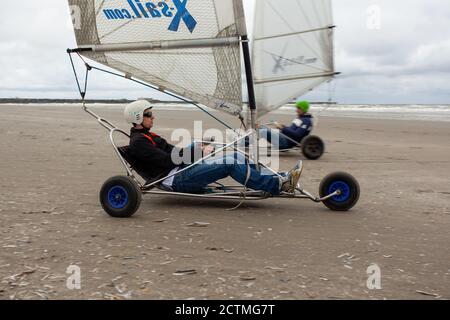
x,y
242,25
249,76
251,96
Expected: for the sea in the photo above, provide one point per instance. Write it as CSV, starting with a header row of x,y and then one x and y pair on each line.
x,y
437,112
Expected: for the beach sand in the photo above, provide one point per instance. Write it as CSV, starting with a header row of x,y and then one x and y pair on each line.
x,y
54,160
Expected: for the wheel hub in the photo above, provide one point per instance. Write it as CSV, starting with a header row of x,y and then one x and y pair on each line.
x,y
118,197
342,189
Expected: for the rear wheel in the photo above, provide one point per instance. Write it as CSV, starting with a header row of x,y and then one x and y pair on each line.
x,y
348,188
313,147
120,197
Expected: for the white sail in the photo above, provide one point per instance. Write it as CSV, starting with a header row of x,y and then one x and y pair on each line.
x,y
188,47
292,50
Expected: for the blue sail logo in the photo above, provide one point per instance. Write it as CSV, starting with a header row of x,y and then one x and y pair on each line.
x,y
152,10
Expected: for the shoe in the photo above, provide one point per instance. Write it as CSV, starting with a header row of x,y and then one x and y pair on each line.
x,y
290,182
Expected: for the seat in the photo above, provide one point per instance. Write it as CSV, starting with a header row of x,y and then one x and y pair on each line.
x,y
134,163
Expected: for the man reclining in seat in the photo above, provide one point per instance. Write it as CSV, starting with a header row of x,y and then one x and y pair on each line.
x,y
300,128
156,156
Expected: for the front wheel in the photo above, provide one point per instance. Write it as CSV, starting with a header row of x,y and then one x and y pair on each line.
x,y
348,188
120,197
313,147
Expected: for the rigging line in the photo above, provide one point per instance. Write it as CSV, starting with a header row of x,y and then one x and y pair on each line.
x,y
82,59
296,62
76,76
334,84
331,91
292,29
88,68
323,110
167,93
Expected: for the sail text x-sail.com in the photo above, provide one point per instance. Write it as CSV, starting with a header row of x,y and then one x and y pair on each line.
x,y
150,10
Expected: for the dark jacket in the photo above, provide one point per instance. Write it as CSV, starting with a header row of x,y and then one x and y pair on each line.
x,y
300,128
153,153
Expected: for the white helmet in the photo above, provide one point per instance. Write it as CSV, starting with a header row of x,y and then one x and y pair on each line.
x,y
134,112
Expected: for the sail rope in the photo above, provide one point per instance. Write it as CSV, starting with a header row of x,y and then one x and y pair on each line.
x,y
332,84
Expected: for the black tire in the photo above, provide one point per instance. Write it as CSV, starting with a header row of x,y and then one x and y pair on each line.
x,y
313,147
120,197
344,182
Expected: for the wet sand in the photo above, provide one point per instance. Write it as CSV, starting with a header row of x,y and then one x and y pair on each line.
x,y
54,160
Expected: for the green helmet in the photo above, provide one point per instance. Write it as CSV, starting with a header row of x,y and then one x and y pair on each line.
x,y
303,105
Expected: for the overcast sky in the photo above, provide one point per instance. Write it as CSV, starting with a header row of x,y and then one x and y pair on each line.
x,y
404,59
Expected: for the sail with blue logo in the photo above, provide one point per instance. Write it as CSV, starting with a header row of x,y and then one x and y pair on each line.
x,y
292,50
188,47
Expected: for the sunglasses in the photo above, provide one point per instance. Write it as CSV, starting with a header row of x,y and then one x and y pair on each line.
x,y
148,114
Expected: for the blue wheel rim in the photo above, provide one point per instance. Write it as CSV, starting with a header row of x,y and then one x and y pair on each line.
x,y
117,197
345,189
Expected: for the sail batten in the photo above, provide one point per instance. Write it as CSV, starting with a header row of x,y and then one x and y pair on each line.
x,y
293,33
318,75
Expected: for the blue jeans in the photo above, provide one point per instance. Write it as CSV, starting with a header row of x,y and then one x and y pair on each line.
x,y
272,136
196,179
